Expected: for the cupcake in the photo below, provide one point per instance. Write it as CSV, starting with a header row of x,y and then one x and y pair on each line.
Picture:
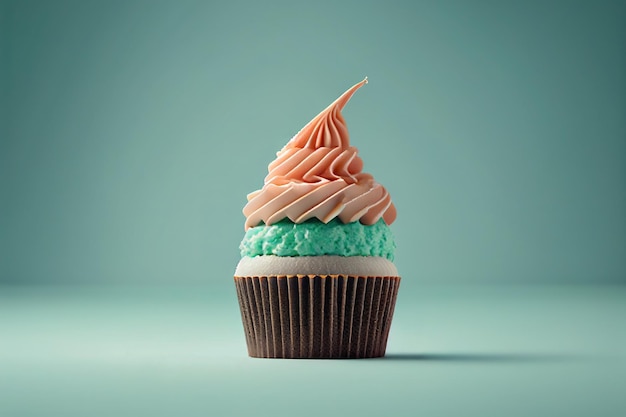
x,y
316,277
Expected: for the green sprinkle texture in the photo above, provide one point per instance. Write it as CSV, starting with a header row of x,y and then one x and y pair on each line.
x,y
314,238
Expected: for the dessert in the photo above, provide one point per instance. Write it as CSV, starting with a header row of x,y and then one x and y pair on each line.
x,y
316,278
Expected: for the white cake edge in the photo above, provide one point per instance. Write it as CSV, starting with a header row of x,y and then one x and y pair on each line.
x,y
270,265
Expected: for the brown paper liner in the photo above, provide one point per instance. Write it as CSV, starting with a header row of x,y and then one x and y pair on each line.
x,y
316,316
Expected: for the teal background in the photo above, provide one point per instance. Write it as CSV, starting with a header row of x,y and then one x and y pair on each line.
x,y
131,132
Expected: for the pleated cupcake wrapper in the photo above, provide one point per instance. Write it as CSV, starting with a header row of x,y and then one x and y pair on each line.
x,y
317,316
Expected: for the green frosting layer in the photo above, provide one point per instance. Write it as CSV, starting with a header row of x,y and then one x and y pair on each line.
x,y
314,238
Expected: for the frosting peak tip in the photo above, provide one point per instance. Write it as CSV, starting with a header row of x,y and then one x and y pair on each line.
x,y
327,129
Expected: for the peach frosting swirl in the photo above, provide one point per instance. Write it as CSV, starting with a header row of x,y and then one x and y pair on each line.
x,y
318,175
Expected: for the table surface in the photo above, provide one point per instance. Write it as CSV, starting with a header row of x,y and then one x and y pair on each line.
x,y
453,350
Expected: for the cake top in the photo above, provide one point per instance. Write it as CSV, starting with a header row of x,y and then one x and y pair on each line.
x,y
319,175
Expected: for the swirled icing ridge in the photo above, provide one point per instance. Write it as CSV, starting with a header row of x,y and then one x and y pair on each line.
x,y
318,175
